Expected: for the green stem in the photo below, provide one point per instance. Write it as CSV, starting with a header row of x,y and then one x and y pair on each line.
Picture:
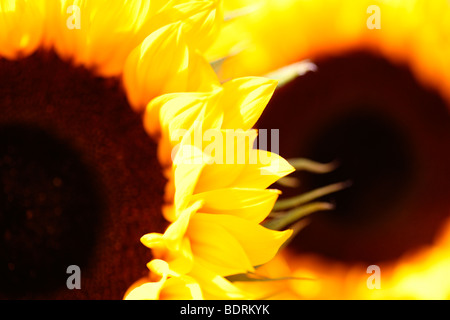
x,y
309,196
290,182
312,166
296,214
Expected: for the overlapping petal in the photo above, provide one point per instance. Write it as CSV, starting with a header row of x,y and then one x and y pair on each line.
x,y
101,34
22,27
156,47
200,283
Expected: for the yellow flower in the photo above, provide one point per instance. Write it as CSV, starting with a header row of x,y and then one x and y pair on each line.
x,y
151,55
171,286
216,224
410,45
279,33
199,284
237,104
150,48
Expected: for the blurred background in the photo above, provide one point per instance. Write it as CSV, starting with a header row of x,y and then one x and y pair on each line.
x,y
378,103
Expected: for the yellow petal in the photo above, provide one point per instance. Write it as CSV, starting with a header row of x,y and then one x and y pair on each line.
x,y
260,244
101,34
177,115
216,249
214,286
160,267
159,65
250,204
227,146
171,286
265,172
173,246
181,112
186,175
259,170
201,20
176,231
179,259
218,176
230,152
181,288
202,77
185,122
22,26
143,290
161,110
153,241
245,100
169,212
113,33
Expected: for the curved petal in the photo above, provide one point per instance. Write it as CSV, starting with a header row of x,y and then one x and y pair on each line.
x,y
250,204
201,20
159,65
263,173
216,287
245,100
216,249
260,244
22,26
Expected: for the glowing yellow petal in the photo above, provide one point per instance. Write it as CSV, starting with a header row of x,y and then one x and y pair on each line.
x,y
259,169
143,290
181,288
227,154
236,148
202,77
201,21
161,110
216,249
176,231
260,244
171,285
201,283
240,153
159,65
179,258
245,99
218,176
68,27
112,33
21,25
216,287
183,119
205,111
153,241
175,136
265,172
186,176
250,204
101,34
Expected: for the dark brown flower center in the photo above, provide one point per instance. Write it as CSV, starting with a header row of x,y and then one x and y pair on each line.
x,y
391,137
79,182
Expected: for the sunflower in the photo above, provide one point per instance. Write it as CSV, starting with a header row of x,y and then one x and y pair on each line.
x,y
215,229
79,161
81,180
378,103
